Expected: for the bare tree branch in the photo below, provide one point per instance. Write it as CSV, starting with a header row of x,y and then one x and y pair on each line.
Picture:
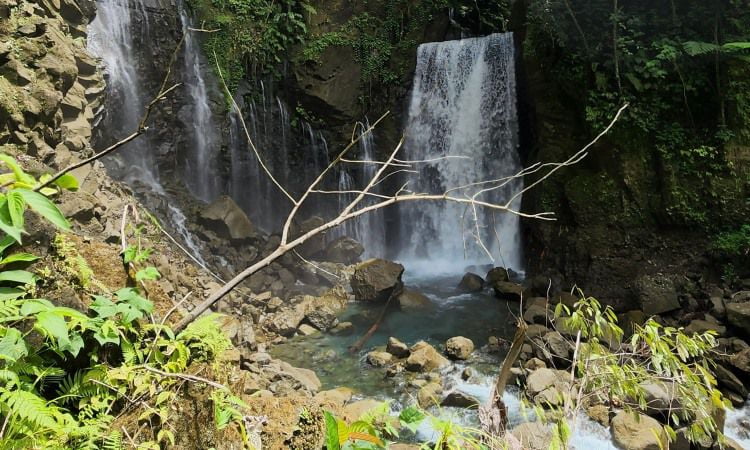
x,y
354,209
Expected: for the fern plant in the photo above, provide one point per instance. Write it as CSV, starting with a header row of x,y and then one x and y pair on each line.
x,y
65,374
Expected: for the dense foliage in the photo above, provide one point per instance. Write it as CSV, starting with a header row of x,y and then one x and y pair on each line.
x,y
681,65
250,37
65,374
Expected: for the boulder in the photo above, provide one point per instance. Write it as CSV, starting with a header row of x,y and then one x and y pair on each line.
x,y
555,348
344,250
322,318
342,329
458,399
534,364
429,394
660,397
459,347
397,348
305,377
335,397
286,322
356,410
306,330
424,358
537,314
533,435
471,282
741,360
599,413
314,246
410,300
634,431
539,380
376,280
738,314
496,274
226,219
702,326
657,294
379,359
508,291
729,380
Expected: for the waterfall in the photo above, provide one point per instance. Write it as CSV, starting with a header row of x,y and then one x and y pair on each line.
x,y
463,103
115,36
119,36
201,175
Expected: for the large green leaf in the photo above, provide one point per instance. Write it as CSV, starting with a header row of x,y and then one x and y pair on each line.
x,y
133,298
44,207
147,274
332,432
10,293
16,207
104,307
53,325
36,305
6,223
18,276
19,257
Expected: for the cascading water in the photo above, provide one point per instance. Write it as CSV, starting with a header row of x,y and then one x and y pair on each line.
x,y
119,35
463,103
114,36
201,163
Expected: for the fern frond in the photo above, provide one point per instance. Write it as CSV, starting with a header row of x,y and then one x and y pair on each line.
x,y
113,441
29,408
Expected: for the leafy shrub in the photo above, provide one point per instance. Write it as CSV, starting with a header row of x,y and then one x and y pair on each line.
x,y
66,374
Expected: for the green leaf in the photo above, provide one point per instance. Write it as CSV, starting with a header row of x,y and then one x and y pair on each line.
x,y
34,306
18,276
17,170
19,257
12,345
6,223
73,345
68,181
9,293
51,324
104,307
133,298
16,207
44,207
6,242
107,333
411,417
147,274
332,432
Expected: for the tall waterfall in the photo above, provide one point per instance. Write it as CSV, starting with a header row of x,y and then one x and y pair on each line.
x,y
463,103
114,36
201,164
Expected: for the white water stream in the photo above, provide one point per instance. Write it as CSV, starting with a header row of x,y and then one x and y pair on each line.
x,y
462,116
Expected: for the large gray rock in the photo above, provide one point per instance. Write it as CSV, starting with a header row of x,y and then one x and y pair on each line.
x,y
459,347
660,397
738,314
226,219
424,358
379,359
458,399
471,282
322,318
344,250
376,280
508,291
496,274
539,380
533,435
410,300
397,348
634,431
701,326
657,294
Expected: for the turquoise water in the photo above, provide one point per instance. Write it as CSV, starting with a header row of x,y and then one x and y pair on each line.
x,y
448,313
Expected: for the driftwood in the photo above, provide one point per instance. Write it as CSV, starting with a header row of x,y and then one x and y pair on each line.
x,y
494,415
357,346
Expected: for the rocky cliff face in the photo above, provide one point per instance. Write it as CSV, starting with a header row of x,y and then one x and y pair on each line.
x,y
50,86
